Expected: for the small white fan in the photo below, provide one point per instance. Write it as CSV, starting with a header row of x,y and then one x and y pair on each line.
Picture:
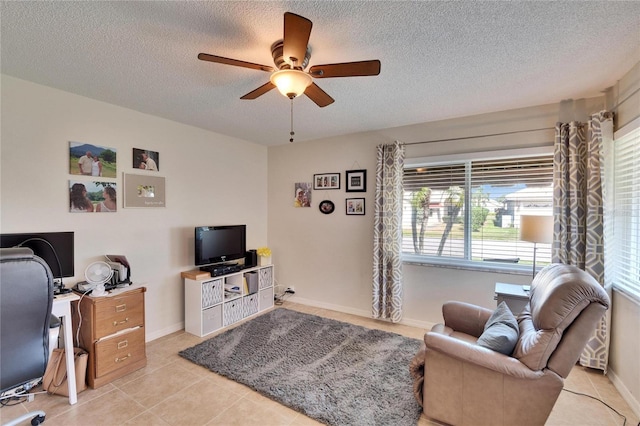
x,y
97,274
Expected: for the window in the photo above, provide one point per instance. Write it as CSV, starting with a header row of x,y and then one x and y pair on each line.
x,y
622,211
466,211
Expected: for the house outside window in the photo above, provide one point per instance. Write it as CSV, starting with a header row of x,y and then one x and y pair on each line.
x,y
464,211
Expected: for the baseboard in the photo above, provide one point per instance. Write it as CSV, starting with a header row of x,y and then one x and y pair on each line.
x,y
165,331
360,312
624,392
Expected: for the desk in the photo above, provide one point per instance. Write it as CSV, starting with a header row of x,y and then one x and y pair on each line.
x,y
62,308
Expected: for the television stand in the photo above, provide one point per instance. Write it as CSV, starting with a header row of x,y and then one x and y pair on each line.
x,y
214,303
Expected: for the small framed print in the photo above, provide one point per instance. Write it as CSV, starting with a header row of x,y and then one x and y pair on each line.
x,y
326,207
143,191
356,180
355,206
146,160
326,181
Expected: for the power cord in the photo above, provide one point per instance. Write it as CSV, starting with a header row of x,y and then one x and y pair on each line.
x,y
624,419
19,395
280,298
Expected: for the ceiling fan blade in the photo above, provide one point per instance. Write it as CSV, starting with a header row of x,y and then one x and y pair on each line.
x,y
259,91
346,69
319,96
297,30
234,62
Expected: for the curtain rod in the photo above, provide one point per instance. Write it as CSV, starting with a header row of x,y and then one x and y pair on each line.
x,y
480,136
615,107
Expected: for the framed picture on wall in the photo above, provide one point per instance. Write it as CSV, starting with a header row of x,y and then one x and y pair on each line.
x,y
302,194
86,159
92,196
326,207
145,159
143,191
355,206
356,180
326,181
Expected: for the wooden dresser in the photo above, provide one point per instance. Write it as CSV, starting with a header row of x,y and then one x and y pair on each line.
x,y
112,332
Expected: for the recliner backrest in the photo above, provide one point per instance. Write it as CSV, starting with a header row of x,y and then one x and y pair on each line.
x,y
26,298
560,296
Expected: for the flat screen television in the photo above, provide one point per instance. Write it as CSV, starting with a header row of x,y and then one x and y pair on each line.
x,y
218,244
55,248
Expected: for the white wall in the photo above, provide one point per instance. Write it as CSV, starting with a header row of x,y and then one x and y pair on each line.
x,y
210,180
328,258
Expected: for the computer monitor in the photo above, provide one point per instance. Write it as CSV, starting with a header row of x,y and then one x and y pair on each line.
x,y
55,248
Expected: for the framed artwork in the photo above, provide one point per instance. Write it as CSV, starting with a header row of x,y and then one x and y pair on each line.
x,y
326,206
143,191
355,206
145,159
326,181
356,180
302,194
86,159
92,196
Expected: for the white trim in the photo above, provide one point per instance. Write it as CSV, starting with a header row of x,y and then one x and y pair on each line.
x,y
488,155
627,128
465,264
425,325
624,392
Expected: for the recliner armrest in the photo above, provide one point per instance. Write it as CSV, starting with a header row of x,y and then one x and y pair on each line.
x,y
465,317
471,353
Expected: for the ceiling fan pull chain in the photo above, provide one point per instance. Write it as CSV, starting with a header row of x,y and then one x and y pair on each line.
x,y
291,132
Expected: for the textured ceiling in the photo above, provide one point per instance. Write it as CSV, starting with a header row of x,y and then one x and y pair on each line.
x,y
439,59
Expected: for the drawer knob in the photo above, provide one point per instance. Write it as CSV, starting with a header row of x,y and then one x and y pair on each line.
x,y
123,358
116,323
121,308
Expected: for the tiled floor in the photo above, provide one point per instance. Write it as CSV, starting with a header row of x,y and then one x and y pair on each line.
x,y
173,391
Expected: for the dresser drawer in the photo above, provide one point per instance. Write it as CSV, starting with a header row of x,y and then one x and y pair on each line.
x,y
114,314
119,351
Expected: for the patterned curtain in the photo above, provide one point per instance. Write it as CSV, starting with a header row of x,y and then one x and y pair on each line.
x,y
578,212
387,233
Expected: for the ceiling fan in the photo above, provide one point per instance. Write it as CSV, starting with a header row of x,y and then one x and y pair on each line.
x,y
291,56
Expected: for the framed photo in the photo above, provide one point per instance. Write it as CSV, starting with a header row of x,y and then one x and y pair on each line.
x,y
145,159
302,197
86,159
92,196
326,181
356,180
355,206
143,191
326,206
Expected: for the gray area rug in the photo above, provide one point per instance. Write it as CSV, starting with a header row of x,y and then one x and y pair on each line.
x,y
334,372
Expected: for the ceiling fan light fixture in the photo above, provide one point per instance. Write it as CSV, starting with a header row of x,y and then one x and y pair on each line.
x,y
291,83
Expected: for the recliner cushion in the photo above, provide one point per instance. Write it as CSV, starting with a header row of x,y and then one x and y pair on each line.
x,y
501,331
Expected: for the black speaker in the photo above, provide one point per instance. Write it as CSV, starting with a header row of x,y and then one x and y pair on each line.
x,y
250,259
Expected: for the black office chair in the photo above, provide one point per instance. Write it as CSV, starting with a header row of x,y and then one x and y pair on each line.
x,y
26,297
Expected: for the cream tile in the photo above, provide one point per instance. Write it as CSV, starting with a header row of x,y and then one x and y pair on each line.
x,y
111,408
55,405
10,412
160,384
247,412
228,385
199,403
147,418
573,409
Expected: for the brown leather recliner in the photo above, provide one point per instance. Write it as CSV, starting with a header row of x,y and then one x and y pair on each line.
x,y
467,384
